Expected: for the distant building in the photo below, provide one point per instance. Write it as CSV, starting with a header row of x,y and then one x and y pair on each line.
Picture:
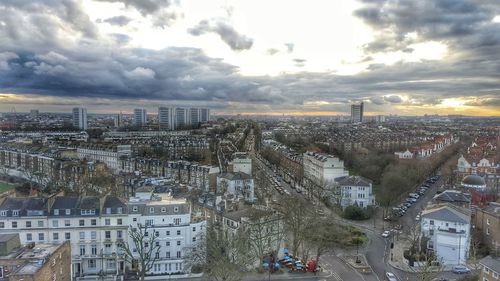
x,y
490,269
357,112
204,115
380,118
34,262
404,155
322,169
194,116
474,182
454,197
447,230
181,117
355,190
34,113
140,117
118,120
166,118
80,118
242,163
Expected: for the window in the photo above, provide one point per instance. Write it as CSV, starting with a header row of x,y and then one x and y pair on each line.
x,y
177,221
2,224
146,244
29,236
107,248
81,222
431,222
108,211
107,222
107,234
488,221
194,228
15,213
431,232
82,235
167,255
68,212
82,250
119,234
87,212
163,209
151,210
176,209
55,236
149,222
14,224
487,231
178,254
93,235
178,232
28,223
119,210
56,212
134,208
134,219
168,232
41,236
194,239
178,243
40,223
146,234
168,243
55,223
119,221
67,223
3,213
92,263
67,236
93,249
93,222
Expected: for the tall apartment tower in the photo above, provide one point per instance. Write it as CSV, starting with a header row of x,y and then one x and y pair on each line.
x,y
80,118
118,120
181,117
166,118
204,115
357,112
140,118
194,116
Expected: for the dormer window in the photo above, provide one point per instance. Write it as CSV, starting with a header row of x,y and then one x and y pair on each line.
x,y
151,210
68,212
134,209
56,212
86,212
108,211
119,210
3,213
15,213
176,209
163,209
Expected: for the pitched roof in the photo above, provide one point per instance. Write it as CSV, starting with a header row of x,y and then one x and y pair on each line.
x,y
448,213
453,196
353,181
491,263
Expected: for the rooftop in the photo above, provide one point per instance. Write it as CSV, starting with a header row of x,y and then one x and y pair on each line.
x,y
448,213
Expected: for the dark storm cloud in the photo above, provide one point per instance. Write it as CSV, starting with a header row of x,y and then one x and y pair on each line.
x,y
453,21
226,32
40,58
118,20
144,6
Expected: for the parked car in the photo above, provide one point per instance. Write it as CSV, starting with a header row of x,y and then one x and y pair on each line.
x,y
417,218
386,234
408,205
390,276
414,195
461,269
411,200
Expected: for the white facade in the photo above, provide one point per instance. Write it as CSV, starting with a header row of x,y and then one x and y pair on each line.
x,y
80,118
239,184
323,168
140,117
170,221
448,231
404,155
242,163
355,190
109,156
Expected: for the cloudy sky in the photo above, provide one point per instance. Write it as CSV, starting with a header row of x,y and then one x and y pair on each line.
x,y
408,57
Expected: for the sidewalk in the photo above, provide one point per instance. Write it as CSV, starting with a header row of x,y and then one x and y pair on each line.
x,y
284,276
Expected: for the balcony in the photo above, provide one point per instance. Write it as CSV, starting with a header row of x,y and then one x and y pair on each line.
x,y
451,230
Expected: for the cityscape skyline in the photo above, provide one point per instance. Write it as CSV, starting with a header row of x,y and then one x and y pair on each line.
x,y
235,57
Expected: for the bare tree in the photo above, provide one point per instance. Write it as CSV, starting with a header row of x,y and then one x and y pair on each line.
x,y
223,255
142,251
325,236
296,216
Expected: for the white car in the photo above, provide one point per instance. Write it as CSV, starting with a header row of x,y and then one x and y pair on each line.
x,y
390,276
417,218
386,234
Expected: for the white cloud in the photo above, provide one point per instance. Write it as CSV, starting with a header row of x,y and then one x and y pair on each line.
x,y
140,73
